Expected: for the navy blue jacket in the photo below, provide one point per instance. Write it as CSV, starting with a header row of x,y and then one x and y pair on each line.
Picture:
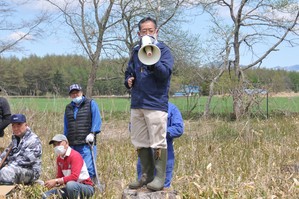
x,y
151,84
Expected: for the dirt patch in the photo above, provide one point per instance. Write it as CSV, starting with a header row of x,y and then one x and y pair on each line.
x,y
284,94
115,129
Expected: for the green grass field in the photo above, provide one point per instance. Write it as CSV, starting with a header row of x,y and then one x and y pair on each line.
x,y
219,105
215,158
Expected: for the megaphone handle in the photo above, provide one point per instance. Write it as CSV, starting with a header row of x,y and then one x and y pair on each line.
x,y
151,67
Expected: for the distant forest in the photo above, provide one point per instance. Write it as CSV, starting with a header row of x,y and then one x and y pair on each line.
x,y
52,74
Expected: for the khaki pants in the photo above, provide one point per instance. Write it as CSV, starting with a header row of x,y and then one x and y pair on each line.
x,y
148,128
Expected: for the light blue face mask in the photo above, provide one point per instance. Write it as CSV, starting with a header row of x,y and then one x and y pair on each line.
x,y
77,100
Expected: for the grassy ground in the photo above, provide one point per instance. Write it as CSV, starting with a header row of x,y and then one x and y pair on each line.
x,y
108,106
214,158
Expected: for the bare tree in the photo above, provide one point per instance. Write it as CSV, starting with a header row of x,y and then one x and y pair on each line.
x,y
88,21
14,30
252,28
108,29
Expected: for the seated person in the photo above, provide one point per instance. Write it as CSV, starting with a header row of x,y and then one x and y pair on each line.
x,y
21,160
71,172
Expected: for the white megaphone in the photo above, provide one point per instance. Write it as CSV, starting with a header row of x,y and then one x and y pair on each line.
x,y
148,53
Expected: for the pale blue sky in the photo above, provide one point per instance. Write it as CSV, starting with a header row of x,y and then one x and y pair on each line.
x,y
59,43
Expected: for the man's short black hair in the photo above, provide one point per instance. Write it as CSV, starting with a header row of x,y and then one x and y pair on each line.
x,y
146,19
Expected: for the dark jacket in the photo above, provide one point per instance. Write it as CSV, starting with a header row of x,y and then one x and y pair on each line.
x,y
151,84
79,127
4,115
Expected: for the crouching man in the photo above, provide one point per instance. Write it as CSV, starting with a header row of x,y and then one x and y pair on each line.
x,y
72,172
20,162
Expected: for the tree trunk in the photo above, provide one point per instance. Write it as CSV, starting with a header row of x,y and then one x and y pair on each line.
x,y
92,78
238,106
211,92
206,113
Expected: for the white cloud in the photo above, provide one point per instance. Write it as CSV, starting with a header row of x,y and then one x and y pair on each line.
x,y
44,5
35,5
17,35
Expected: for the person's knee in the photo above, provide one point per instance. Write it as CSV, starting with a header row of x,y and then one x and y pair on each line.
x,y
7,175
71,185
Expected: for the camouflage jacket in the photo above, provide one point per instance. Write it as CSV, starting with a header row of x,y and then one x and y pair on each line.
x,y
27,154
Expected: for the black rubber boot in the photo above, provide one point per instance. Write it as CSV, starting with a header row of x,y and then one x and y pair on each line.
x,y
147,168
160,156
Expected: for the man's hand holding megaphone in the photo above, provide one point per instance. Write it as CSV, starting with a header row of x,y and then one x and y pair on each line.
x,y
131,81
149,53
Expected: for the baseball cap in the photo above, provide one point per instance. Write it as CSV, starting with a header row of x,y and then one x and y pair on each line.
x,y
58,138
17,118
75,87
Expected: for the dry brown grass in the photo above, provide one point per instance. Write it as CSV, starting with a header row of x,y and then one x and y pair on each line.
x,y
214,158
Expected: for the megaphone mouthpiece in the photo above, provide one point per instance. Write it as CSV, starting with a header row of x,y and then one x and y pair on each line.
x,y
148,50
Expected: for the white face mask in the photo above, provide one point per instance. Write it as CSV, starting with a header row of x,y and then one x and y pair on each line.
x,y
59,150
77,100
155,36
153,39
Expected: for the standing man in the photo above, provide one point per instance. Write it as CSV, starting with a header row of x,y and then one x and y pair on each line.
x,y
82,122
4,114
175,128
149,86
21,160
71,172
